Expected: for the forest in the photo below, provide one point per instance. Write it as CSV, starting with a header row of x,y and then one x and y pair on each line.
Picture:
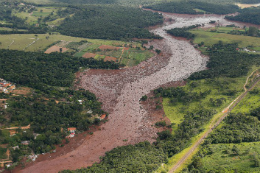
x,y
26,68
249,15
142,157
191,6
183,32
48,109
226,61
110,22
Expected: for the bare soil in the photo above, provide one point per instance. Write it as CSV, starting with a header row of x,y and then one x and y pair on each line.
x,y
55,49
89,55
109,58
106,47
22,91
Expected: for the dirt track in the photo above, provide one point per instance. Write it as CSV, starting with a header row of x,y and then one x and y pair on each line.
x,y
213,126
120,91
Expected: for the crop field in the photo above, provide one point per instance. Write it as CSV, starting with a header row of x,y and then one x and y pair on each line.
x,y
209,38
127,53
223,157
128,56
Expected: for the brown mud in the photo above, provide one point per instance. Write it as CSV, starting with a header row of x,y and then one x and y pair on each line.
x,y
129,121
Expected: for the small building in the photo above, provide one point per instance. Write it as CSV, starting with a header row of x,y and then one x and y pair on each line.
x,y
72,129
25,142
103,116
12,132
70,135
15,147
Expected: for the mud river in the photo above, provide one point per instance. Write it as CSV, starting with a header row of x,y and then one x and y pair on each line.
x,y
120,91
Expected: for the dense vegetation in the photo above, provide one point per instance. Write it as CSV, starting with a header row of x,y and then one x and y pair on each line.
x,y
35,69
47,116
183,32
48,109
238,128
110,22
249,15
142,157
191,6
226,61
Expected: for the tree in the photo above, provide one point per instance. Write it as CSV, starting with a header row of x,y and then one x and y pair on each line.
x,y
253,31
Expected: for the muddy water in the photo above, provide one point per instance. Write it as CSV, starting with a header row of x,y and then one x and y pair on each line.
x,y
120,91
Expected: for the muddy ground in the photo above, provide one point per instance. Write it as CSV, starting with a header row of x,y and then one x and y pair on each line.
x,y
130,121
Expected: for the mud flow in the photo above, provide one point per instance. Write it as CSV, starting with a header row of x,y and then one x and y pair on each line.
x,y
129,121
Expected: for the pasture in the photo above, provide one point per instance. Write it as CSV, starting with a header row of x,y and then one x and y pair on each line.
x,y
40,12
127,53
225,159
209,38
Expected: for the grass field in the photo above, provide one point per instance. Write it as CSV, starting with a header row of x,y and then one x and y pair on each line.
x,y
224,159
210,38
21,41
32,18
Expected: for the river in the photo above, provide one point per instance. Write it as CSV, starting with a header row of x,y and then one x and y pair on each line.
x,y
120,91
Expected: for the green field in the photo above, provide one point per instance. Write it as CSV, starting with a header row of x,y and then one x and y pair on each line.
x,y
222,158
38,43
209,38
32,18
218,87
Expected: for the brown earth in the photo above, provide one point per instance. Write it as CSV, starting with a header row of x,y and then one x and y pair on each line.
x,y
109,58
55,49
89,55
22,91
105,47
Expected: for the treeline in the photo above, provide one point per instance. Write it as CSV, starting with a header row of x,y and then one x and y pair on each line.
x,y
226,61
37,69
110,22
86,1
248,1
191,6
249,15
183,32
180,95
142,157
238,128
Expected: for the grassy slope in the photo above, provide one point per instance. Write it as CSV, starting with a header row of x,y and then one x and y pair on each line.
x,y
243,162
22,40
210,38
32,18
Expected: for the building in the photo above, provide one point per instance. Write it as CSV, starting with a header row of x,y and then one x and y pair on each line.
x,y
102,117
6,87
